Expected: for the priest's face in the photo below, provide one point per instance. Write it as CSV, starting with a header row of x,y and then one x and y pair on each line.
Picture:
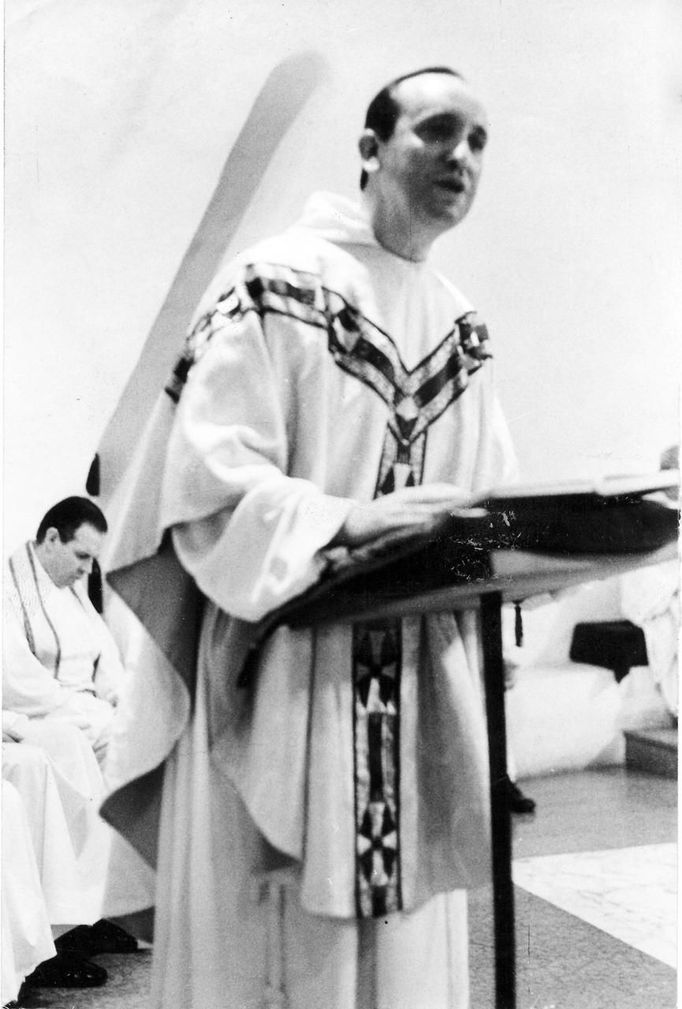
x,y
432,162
67,562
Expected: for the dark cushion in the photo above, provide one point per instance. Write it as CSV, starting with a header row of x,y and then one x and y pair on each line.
x,y
613,644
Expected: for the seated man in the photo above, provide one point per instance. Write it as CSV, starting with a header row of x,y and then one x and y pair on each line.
x,y
61,677
60,660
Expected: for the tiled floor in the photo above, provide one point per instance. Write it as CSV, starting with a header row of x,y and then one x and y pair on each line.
x,y
628,892
594,904
595,897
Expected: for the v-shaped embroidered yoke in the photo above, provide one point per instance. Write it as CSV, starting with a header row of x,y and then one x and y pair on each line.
x,y
319,374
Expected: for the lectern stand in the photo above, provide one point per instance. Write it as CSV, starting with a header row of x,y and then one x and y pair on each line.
x,y
530,544
519,575
503,888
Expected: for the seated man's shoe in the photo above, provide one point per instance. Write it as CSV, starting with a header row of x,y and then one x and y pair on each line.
x,y
517,801
102,937
67,970
112,938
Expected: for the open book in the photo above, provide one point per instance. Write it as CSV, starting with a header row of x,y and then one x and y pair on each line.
x,y
625,486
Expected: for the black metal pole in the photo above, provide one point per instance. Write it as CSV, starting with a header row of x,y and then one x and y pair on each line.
x,y
503,890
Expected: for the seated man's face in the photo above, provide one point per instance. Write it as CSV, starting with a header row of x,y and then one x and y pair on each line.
x,y
65,563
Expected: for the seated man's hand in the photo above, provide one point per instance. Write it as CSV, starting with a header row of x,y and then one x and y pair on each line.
x,y
404,510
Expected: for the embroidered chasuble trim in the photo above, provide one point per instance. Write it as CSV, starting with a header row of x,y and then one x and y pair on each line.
x,y
58,644
377,660
415,398
357,345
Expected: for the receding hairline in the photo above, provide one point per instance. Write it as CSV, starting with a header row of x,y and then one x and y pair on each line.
x,y
387,91
424,72
400,93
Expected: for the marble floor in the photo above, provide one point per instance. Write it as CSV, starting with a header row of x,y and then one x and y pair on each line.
x,y
631,893
594,870
595,904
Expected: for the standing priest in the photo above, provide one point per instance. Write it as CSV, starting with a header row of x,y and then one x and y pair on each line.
x,y
318,827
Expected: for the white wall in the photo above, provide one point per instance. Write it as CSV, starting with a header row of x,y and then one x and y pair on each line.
x,y
120,114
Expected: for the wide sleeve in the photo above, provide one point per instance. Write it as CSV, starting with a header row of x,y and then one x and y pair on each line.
x,y
506,459
27,686
496,463
248,531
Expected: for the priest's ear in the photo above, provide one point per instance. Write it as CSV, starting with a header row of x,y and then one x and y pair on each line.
x,y
368,145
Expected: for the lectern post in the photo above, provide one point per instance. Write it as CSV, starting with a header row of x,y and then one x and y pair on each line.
x,y
503,890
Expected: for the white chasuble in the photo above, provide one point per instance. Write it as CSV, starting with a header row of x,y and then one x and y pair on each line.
x,y
321,371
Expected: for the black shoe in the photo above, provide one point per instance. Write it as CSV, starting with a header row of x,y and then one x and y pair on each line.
x,y
66,970
102,937
517,801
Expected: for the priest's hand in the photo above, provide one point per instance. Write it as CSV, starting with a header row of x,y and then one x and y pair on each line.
x,y
406,510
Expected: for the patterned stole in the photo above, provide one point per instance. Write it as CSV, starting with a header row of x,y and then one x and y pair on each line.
x,y
26,586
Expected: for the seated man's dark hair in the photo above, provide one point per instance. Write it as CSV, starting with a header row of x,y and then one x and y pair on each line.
x,y
383,110
68,516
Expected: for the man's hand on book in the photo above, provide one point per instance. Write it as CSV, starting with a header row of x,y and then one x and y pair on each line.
x,y
409,509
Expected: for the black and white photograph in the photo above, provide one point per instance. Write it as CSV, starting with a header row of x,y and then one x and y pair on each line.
x,y
341,506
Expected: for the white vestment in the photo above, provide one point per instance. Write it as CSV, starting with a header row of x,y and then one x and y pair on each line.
x,y
60,661
60,783
26,935
320,825
650,598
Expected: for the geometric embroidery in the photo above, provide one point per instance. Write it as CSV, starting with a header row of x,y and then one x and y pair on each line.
x,y
415,398
376,698
401,463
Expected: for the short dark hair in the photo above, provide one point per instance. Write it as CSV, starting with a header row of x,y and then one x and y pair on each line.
x,y
68,516
383,111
